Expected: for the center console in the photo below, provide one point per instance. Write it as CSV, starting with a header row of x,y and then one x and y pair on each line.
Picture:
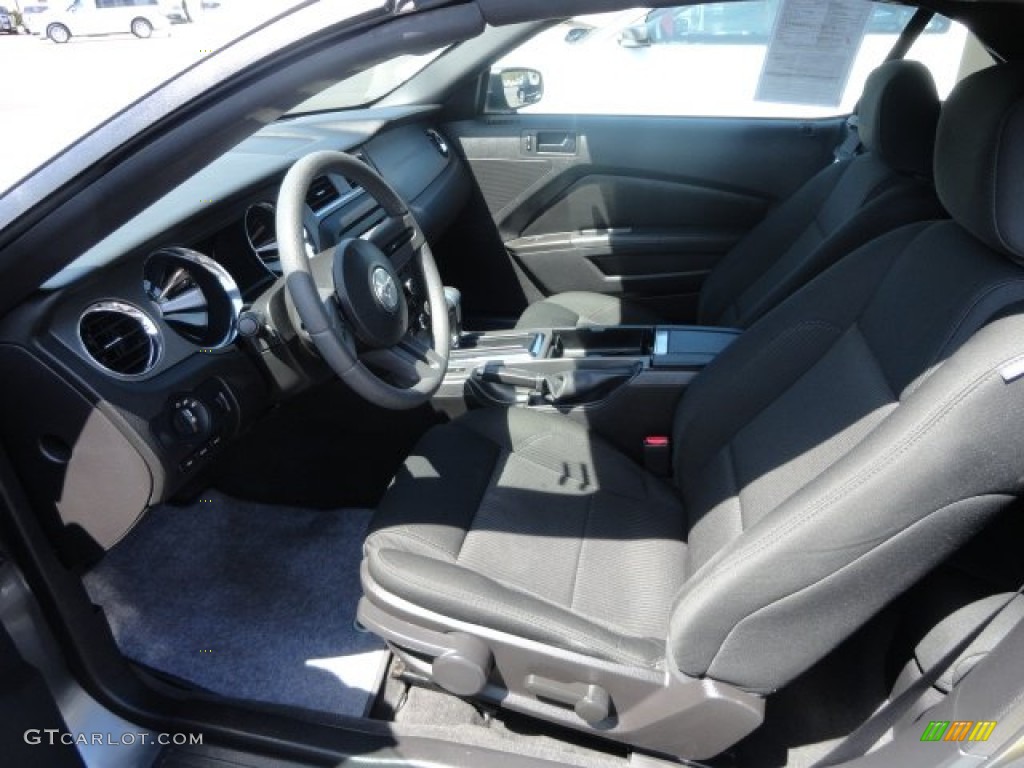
x,y
622,381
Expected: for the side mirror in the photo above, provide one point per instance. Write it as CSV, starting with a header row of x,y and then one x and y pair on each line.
x,y
635,37
576,34
511,89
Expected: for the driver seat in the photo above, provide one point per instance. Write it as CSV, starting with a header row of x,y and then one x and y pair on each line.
x,y
842,447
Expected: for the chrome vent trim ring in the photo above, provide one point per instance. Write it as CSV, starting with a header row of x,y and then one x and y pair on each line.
x,y
261,234
439,142
128,347
196,296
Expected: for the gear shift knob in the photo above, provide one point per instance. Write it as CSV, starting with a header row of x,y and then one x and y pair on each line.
x,y
453,298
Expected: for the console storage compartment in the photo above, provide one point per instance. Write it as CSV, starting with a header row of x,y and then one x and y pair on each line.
x,y
508,347
621,381
617,341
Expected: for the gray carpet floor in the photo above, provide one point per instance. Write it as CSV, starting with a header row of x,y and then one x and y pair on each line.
x,y
438,715
244,599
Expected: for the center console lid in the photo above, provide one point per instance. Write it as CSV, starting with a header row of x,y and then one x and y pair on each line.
x,y
689,346
663,346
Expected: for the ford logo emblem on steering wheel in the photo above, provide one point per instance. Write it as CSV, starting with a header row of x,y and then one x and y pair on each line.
x,y
384,289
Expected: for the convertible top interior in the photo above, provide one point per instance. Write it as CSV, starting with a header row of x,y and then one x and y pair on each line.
x,y
447,429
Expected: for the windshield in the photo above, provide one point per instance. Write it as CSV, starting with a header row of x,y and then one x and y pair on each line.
x,y
76,63
369,85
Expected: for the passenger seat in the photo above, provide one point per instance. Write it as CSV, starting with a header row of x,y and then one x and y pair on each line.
x,y
842,207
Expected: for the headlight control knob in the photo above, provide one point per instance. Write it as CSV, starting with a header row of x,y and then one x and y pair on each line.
x,y
190,418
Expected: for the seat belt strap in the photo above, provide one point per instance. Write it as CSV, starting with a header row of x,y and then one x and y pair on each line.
x,y
871,730
910,34
850,146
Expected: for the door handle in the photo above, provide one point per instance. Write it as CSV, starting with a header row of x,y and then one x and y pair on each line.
x,y
556,142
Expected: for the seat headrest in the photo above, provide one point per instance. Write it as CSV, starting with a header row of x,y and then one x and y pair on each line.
x,y
897,115
979,157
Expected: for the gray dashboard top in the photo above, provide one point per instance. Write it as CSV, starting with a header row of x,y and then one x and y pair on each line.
x,y
266,154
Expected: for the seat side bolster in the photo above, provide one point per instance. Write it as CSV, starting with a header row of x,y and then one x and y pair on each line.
x,y
865,529
447,508
907,201
468,596
752,256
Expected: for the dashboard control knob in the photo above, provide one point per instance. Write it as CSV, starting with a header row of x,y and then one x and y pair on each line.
x,y
250,324
186,422
191,418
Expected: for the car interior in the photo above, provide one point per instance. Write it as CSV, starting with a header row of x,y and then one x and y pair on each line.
x,y
443,430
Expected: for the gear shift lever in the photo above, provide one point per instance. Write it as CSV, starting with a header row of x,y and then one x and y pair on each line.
x,y
453,298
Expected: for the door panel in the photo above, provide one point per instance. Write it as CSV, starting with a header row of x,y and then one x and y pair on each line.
x,y
662,267
640,207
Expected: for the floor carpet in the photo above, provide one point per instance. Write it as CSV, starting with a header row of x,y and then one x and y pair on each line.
x,y
245,599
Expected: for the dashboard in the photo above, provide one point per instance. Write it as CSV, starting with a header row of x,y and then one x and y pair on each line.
x,y
127,374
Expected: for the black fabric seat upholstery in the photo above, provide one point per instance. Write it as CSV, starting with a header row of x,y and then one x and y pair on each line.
x,y
837,451
588,506
839,209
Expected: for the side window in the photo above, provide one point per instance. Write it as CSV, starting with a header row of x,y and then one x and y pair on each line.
x,y
751,58
123,3
742,23
950,52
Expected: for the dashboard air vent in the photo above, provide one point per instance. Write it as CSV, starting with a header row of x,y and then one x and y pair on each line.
x,y
120,338
438,141
196,296
321,194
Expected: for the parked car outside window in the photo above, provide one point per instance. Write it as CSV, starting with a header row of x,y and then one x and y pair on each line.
x,y
32,16
8,26
710,60
86,18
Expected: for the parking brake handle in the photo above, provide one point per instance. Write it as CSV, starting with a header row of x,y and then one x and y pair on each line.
x,y
584,385
567,387
516,377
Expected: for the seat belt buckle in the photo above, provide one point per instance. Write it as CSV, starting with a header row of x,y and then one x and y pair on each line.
x,y
658,455
851,144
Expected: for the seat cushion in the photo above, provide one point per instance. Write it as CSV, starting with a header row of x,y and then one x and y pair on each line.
x,y
579,308
526,523
841,208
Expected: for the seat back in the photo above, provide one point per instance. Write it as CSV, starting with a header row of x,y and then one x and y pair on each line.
x,y
842,207
861,431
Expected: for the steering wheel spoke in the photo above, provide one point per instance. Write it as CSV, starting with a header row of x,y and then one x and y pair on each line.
x,y
407,362
398,237
321,267
338,325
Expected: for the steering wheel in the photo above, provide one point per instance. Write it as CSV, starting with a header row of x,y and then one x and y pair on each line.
x,y
351,300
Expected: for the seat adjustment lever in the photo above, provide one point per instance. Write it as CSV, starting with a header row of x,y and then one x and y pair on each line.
x,y
590,702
